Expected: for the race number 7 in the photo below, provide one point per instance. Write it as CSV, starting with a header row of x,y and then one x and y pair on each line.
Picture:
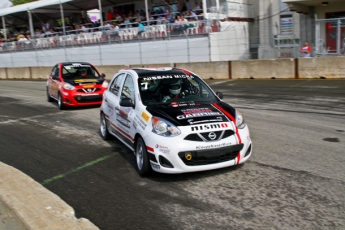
x,y
144,83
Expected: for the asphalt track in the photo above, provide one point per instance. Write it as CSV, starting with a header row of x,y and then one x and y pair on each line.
x,y
295,178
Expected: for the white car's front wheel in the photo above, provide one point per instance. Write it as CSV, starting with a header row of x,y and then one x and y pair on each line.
x,y
143,162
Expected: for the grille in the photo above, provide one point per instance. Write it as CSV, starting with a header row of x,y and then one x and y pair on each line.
x,y
90,98
212,156
93,90
204,136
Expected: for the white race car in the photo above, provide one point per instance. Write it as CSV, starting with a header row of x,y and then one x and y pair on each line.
x,y
173,121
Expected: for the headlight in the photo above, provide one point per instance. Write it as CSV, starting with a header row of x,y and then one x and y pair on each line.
x,y
68,86
240,120
105,84
164,128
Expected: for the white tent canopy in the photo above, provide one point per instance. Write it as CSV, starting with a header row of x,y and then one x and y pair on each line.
x,y
51,9
31,6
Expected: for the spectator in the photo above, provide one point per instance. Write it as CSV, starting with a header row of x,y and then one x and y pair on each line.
x,y
305,50
38,33
110,15
196,7
170,16
141,28
188,6
192,15
83,28
45,26
114,31
21,37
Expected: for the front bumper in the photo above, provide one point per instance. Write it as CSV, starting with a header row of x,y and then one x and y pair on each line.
x,y
176,155
74,98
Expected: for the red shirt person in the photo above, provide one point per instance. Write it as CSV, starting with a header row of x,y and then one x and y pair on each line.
x,y
305,50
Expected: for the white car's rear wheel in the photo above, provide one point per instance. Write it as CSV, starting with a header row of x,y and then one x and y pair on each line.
x,y
104,128
143,162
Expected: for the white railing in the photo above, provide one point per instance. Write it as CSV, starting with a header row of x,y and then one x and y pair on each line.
x,y
127,33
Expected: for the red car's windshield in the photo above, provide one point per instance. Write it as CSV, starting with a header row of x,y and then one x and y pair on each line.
x,y
77,71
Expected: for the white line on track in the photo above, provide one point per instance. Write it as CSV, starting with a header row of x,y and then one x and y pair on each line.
x,y
219,82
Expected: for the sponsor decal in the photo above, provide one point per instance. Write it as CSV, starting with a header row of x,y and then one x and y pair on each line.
x,y
174,104
213,146
162,149
123,121
160,146
192,122
124,111
166,77
140,122
198,110
145,116
85,80
75,65
177,104
122,118
89,86
154,166
205,114
209,126
166,151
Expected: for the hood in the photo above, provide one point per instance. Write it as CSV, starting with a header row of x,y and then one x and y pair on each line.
x,y
190,114
83,81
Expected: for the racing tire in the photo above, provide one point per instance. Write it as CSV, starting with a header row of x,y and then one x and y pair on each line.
x,y
49,98
104,128
143,163
60,102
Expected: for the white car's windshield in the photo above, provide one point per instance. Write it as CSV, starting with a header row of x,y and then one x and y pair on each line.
x,y
173,88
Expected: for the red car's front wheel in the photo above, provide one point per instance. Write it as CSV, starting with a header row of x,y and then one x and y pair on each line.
x,y
60,102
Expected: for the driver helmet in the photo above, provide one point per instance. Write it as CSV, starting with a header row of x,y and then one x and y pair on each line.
x,y
175,87
82,72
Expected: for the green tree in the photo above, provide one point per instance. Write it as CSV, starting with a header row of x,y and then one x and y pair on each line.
x,y
18,2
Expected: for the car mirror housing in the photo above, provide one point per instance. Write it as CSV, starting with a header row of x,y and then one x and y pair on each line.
x,y
219,94
126,102
103,75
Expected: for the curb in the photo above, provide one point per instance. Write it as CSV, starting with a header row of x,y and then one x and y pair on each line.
x,y
25,205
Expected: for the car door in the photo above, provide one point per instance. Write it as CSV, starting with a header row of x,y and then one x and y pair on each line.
x,y
125,114
50,81
111,98
55,82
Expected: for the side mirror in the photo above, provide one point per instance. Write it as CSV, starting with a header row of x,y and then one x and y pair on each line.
x,y
219,94
126,102
103,75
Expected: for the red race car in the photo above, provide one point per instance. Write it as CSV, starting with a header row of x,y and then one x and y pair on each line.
x,y
75,84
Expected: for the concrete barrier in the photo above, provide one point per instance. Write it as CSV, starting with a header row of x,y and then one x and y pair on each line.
x,y
19,73
26,205
3,73
110,70
285,68
322,67
263,69
208,70
40,73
